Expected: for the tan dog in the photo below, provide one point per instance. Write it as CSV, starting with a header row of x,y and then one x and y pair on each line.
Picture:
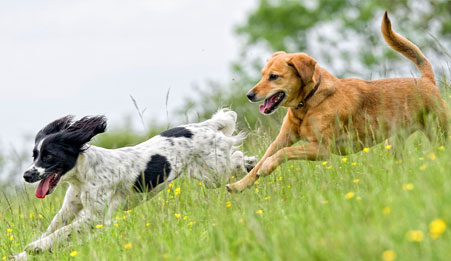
x,y
331,113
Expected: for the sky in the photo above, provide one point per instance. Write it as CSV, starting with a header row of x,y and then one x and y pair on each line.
x,y
87,57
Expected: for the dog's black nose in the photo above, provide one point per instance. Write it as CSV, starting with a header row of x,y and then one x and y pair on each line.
x,y
30,175
251,96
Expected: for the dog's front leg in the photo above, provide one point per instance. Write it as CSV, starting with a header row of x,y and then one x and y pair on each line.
x,y
310,151
287,137
71,206
46,243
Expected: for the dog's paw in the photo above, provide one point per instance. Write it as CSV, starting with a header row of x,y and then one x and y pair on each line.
x,y
250,162
22,256
38,246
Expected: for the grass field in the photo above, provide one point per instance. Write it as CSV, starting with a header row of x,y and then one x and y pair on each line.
x,y
365,206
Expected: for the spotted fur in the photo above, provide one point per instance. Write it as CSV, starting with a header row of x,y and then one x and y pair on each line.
x,y
102,179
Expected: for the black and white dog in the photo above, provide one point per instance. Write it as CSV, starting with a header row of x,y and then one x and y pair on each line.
x,y
100,179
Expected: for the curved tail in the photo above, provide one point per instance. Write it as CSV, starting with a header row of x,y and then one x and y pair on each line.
x,y
224,120
406,48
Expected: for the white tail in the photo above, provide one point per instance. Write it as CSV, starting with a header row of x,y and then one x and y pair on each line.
x,y
224,120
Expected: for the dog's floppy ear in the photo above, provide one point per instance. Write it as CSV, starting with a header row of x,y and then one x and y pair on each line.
x,y
304,65
278,53
54,127
83,130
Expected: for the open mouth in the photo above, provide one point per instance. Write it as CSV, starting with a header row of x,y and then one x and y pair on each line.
x,y
47,185
271,103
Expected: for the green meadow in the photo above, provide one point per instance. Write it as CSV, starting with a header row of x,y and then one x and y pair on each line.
x,y
365,206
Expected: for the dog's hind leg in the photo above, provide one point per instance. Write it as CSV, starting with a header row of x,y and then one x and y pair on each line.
x,y
241,162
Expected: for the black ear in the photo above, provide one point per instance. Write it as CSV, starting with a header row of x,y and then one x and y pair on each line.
x,y
83,130
54,127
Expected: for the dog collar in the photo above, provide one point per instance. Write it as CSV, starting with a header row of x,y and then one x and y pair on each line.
x,y
310,94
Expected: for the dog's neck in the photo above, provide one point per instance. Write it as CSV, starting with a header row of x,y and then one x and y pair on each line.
x,y
310,94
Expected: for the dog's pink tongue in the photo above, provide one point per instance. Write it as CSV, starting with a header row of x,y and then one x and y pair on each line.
x,y
266,105
43,187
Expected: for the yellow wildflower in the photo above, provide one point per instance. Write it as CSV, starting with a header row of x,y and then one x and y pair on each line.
x,y
386,210
40,216
324,202
147,224
240,220
129,211
116,224
324,163
228,204
354,164
256,190
349,195
436,228
177,215
280,178
388,255
31,215
356,181
291,166
441,148
11,238
260,212
388,147
408,186
423,167
200,184
191,223
128,246
177,191
73,253
421,158
329,167
9,230
366,150
432,156
415,235
4,258
170,185
266,198
166,255
99,226
344,159
256,182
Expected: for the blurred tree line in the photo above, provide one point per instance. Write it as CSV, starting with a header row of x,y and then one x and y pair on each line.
x,y
342,35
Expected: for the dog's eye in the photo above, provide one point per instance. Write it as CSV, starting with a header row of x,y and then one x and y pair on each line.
x,y
47,157
273,77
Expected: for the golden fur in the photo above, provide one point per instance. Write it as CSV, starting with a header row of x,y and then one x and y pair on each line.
x,y
343,111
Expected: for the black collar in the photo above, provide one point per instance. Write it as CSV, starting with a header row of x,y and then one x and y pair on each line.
x,y
302,103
